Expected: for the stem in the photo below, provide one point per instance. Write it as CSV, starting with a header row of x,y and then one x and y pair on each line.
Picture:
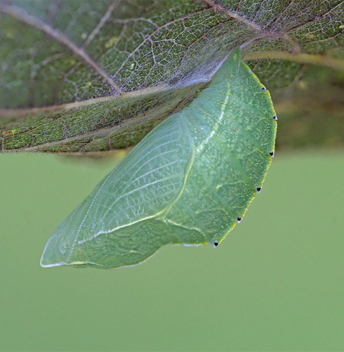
x,y
319,60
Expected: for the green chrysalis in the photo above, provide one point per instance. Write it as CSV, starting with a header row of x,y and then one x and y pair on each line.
x,y
189,181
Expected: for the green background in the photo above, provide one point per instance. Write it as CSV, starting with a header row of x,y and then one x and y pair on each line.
x,y
275,283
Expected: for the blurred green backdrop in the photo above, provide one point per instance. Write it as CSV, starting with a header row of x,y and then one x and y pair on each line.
x,y
276,282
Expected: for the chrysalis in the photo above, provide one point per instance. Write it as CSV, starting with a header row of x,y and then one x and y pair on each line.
x,y
189,181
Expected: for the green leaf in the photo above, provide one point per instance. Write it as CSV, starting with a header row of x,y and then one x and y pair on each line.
x,y
92,76
188,182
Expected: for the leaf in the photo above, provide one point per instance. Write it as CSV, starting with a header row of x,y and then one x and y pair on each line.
x,y
188,182
88,76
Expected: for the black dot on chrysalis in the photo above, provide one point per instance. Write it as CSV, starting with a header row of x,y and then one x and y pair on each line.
x,y
216,244
239,220
272,154
275,118
263,88
258,189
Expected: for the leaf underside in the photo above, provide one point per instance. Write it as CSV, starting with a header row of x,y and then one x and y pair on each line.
x,y
188,182
93,76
